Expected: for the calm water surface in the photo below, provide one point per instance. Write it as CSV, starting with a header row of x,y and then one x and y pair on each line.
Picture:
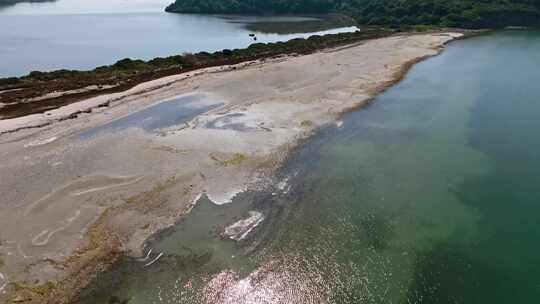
x,y
173,112
84,34
429,195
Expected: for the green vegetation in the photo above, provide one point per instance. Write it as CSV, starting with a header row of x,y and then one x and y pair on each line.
x,y
127,72
127,68
236,159
306,123
254,6
453,13
151,196
171,149
11,2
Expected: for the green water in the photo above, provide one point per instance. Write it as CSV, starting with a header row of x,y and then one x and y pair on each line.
x,y
429,195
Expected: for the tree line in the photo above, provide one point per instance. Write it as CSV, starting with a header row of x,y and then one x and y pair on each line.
x,y
452,13
11,2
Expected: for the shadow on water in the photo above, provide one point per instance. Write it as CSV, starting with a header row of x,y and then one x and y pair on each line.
x,y
158,116
444,275
301,25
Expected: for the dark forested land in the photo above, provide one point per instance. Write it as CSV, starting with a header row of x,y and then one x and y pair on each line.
x,y
446,13
11,2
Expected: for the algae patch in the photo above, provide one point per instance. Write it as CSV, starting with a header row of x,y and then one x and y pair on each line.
x,y
149,195
152,195
28,293
306,123
235,159
171,149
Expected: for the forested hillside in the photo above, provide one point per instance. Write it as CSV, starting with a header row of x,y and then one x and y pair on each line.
x,y
11,2
458,13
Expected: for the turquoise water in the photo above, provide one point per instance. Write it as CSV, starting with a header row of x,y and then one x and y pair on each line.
x,y
429,195
84,34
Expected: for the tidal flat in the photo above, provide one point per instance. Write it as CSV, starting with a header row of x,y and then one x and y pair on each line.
x,y
96,199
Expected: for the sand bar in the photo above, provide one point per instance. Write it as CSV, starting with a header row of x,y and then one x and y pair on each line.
x,y
70,201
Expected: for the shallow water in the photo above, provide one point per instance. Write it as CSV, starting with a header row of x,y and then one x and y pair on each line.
x,y
84,34
429,195
173,112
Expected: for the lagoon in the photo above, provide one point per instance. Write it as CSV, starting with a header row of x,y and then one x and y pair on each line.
x,y
84,34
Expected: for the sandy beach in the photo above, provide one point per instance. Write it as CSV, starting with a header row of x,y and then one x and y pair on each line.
x,y
82,185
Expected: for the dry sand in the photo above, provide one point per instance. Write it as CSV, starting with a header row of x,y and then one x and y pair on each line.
x,y
63,197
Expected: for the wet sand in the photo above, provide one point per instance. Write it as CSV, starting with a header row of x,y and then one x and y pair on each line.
x,y
72,204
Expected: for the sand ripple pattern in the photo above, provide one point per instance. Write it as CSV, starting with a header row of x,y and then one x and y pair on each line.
x,y
65,211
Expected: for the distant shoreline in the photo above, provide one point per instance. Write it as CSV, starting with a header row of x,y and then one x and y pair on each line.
x,y
38,92
469,14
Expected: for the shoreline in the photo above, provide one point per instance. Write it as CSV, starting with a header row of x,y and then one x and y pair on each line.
x,y
255,167
84,100
39,92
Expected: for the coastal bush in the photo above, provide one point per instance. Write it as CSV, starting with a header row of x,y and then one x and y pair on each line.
x,y
128,70
9,81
